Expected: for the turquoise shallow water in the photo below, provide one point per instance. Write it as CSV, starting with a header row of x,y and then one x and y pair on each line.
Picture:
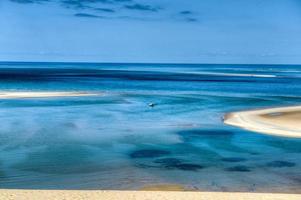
x,y
116,141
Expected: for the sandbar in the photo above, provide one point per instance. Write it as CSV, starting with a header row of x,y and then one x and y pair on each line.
x,y
31,94
280,121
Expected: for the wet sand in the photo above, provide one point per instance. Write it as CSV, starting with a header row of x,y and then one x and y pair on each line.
x,y
135,195
163,187
13,95
281,121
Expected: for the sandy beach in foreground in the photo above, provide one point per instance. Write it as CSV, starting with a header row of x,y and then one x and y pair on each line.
x,y
281,121
135,195
13,95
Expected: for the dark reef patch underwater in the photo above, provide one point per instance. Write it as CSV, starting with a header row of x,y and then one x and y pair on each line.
x,y
117,141
239,168
280,163
234,159
149,153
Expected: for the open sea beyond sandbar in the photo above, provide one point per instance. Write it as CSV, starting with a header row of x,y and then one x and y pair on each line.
x,y
145,125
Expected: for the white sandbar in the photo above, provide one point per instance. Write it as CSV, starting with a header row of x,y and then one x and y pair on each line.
x,y
13,95
281,121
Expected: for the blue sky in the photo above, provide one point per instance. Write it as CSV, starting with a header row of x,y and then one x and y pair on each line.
x,y
155,31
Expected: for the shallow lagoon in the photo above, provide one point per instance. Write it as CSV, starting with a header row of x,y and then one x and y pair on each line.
x,y
116,141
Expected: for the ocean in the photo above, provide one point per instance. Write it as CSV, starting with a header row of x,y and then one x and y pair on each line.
x,y
117,141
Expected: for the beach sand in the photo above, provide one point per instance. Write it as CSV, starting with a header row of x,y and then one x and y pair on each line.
x,y
13,95
137,195
281,121
163,187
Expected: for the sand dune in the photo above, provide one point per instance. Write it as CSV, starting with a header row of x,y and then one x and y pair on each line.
x,y
135,195
12,95
282,121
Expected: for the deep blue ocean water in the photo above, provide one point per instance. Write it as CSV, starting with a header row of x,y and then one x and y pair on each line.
x,y
116,141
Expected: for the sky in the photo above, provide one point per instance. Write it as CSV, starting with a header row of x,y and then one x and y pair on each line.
x,y
151,31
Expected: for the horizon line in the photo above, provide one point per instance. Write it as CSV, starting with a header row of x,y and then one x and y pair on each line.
x,y
135,63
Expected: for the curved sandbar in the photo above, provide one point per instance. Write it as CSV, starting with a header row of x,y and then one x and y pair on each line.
x,y
281,121
13,95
